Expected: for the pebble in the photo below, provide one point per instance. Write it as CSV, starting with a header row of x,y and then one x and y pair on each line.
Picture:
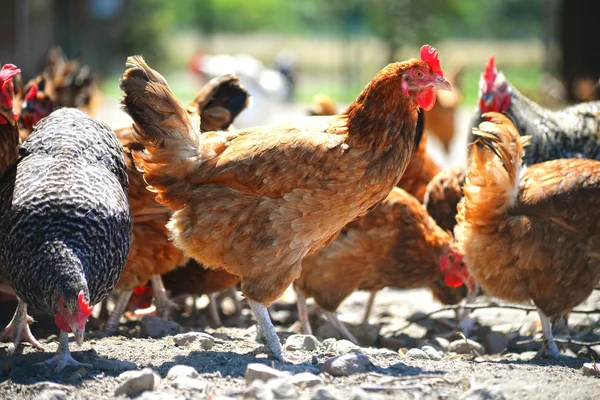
x,y
256,371
306,379
282,388
199,340
137,382
326,393
493,342
346,347
52,394
186,383
328,344
221,336
588,369
432,353
466,347
259,391
182,371
114,365
347,364
483,393
417,354
160,396
442,342
156,327
301,342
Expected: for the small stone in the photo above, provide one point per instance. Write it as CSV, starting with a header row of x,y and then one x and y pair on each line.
x,y
114,365
586,352
493,342
259,391
306,379
186,383
198,340
328,344
589,370
52,394
137,382
326,393
528,355
282,388
221,336
359,394
156,327
432,353
182,370
442,342
302,343
347,364
346,347
417,354
256,371
466,347
483,393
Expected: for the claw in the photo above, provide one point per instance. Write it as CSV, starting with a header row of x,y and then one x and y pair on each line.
x,y
18,329
63,359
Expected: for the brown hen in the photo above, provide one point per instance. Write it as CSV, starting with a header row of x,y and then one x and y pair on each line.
x,y
533,237
255,202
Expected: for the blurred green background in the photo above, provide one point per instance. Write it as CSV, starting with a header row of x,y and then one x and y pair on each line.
x,y
337,45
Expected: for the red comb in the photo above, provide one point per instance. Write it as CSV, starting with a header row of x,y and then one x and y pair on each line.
x,y
84,307
32,92
489,74
8,72
430,55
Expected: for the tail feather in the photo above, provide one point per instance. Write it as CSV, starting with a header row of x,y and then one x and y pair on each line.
x,y
169,133
492,183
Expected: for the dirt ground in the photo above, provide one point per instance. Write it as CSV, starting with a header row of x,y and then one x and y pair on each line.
x,y
392,375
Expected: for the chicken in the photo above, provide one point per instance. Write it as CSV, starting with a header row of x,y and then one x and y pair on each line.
x,y
152,253
322,105
254,202
38,102
442,195
532,235
440,119
66,222
573,132
397,244
9,131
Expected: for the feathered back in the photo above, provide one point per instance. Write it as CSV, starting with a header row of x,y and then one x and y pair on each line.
x,y
492,180
163,126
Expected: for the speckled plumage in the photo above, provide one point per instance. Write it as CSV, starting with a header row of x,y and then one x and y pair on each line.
x,y
66,220
573,132
397,244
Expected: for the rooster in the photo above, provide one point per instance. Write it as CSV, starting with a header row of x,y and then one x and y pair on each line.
x,y
529,235
255,202
66,223
573,132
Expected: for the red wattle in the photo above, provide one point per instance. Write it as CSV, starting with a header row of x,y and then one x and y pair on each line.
x,y
452,280
61,323
426,99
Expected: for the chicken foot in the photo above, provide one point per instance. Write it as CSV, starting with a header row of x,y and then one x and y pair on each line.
x,y
266,330
163,304
18,329
465,323
549,348
369,307
340,326
63,358
112,325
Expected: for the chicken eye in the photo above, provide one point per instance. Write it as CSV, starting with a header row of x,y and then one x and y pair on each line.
x,y
419,74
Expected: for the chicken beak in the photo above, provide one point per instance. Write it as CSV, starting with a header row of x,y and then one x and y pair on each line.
x,y
442,83
78,333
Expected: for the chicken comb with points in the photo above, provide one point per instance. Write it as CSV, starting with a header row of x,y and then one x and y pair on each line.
x,y
32,93
430,55
8,72
84,307
490,74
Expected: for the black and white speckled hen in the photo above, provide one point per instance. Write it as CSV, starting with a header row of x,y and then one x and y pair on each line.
x,y
66,222
573,132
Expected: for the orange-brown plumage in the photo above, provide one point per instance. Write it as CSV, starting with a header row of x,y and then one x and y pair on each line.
x,y
397,244
195,279
534,237
442,196
420,170
256,201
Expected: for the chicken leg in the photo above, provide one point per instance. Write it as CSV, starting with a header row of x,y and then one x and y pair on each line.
x,y
18,329
63,358
369,307
214,310
163,304
112,325
266,330
340,326
549,347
